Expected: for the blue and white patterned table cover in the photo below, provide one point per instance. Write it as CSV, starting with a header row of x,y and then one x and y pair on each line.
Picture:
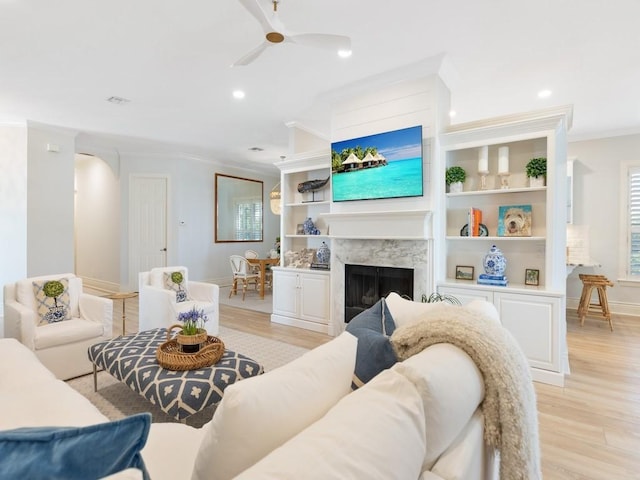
x,y
132,360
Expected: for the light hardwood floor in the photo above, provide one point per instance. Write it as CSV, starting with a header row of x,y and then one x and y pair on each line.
x,y
589,430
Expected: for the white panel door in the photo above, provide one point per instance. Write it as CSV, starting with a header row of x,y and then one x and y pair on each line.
x,y
147,225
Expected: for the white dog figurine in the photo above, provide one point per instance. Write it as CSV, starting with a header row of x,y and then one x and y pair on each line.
x,y
517,223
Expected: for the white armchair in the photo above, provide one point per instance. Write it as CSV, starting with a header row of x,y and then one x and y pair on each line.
x,y
157,299
60,345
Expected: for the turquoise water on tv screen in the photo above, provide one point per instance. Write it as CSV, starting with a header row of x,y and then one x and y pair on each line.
x,y
399,178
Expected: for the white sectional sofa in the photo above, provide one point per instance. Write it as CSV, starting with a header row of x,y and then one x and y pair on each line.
x,y
420,419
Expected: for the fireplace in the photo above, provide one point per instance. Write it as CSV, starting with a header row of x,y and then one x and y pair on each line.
x,y
366,284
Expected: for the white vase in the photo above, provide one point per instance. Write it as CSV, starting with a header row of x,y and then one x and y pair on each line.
x,y
537,181
455,187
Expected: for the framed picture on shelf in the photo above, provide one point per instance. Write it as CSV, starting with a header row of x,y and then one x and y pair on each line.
x,y
464,272
531,277
514,221
300,229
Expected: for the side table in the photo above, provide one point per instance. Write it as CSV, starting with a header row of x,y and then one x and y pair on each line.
x,y
123,296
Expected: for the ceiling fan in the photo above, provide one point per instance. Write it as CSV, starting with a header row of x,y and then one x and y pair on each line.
x,y
275,33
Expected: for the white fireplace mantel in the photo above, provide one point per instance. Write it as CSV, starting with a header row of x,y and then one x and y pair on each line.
x,y
399,225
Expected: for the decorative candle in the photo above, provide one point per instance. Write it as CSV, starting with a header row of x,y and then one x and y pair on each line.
x,y
503,160
483,159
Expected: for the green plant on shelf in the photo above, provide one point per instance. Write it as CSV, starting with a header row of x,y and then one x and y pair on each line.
x,y
537,167
455,174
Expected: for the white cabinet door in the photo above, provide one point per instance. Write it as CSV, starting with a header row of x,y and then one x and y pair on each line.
x,y
534,321
314,297
301,299
285,293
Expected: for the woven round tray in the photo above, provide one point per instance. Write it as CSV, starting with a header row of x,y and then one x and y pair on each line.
x,y
171,357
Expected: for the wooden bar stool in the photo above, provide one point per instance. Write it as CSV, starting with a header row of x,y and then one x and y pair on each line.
x,y
600,283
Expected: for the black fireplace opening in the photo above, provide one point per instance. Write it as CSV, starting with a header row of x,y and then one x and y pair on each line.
x,y
364,285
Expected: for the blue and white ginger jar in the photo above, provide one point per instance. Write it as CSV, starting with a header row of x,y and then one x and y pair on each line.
x,y
308,227
494,262
323,255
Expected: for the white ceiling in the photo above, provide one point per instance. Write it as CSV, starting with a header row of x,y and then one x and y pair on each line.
x,y
60,61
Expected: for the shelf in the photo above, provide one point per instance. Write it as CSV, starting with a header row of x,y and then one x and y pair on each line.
x,y
513,287
497,191
498,239
307,204
295,235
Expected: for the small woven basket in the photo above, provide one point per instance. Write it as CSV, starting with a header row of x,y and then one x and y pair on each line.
x,y
171,356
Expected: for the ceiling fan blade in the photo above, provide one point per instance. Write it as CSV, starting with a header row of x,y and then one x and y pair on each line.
x,y
322,40
252,55
259,14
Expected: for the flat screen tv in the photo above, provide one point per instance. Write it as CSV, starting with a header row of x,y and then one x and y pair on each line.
x,y
384,165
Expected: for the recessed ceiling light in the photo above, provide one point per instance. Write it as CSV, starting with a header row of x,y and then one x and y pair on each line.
x,y
344,53
118,100
239,94
452,113
544,93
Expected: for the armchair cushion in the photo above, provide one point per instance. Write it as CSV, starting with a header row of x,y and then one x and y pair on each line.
x,y
64,333
156,275
25,295
53,302
176,281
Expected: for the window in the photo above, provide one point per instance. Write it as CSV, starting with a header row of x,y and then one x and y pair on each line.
x,y
633,225
249,220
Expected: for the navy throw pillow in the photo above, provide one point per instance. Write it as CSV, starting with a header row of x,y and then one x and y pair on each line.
x,y
74,453
373,327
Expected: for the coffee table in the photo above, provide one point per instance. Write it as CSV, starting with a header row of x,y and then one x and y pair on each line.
x,y
131,359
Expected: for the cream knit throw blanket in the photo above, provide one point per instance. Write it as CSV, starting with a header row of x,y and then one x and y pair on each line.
x,y
509,406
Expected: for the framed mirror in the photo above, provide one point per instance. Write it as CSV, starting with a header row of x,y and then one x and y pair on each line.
x,y
238,209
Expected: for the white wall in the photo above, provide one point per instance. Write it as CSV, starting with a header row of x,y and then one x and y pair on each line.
x,y
13,206
191,200
97,223
596,203
50,201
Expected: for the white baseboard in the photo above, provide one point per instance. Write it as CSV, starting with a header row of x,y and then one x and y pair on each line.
x,y
102,285
617,308
296,322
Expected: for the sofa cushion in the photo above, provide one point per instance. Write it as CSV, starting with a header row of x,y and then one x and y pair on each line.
x,y
467,458
372,327
451,387
406,312
53,303
176,281
376,432
71,453
259,414
181,441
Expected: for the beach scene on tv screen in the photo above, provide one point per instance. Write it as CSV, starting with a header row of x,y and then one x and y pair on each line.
x,y
384,165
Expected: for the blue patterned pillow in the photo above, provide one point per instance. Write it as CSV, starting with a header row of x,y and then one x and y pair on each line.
x,y
72,453
373,327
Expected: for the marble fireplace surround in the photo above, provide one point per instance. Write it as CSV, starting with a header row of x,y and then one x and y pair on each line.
x,y
389,239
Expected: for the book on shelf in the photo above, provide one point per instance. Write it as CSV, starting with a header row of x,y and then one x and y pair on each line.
x,y
498,283
486,276
474,219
